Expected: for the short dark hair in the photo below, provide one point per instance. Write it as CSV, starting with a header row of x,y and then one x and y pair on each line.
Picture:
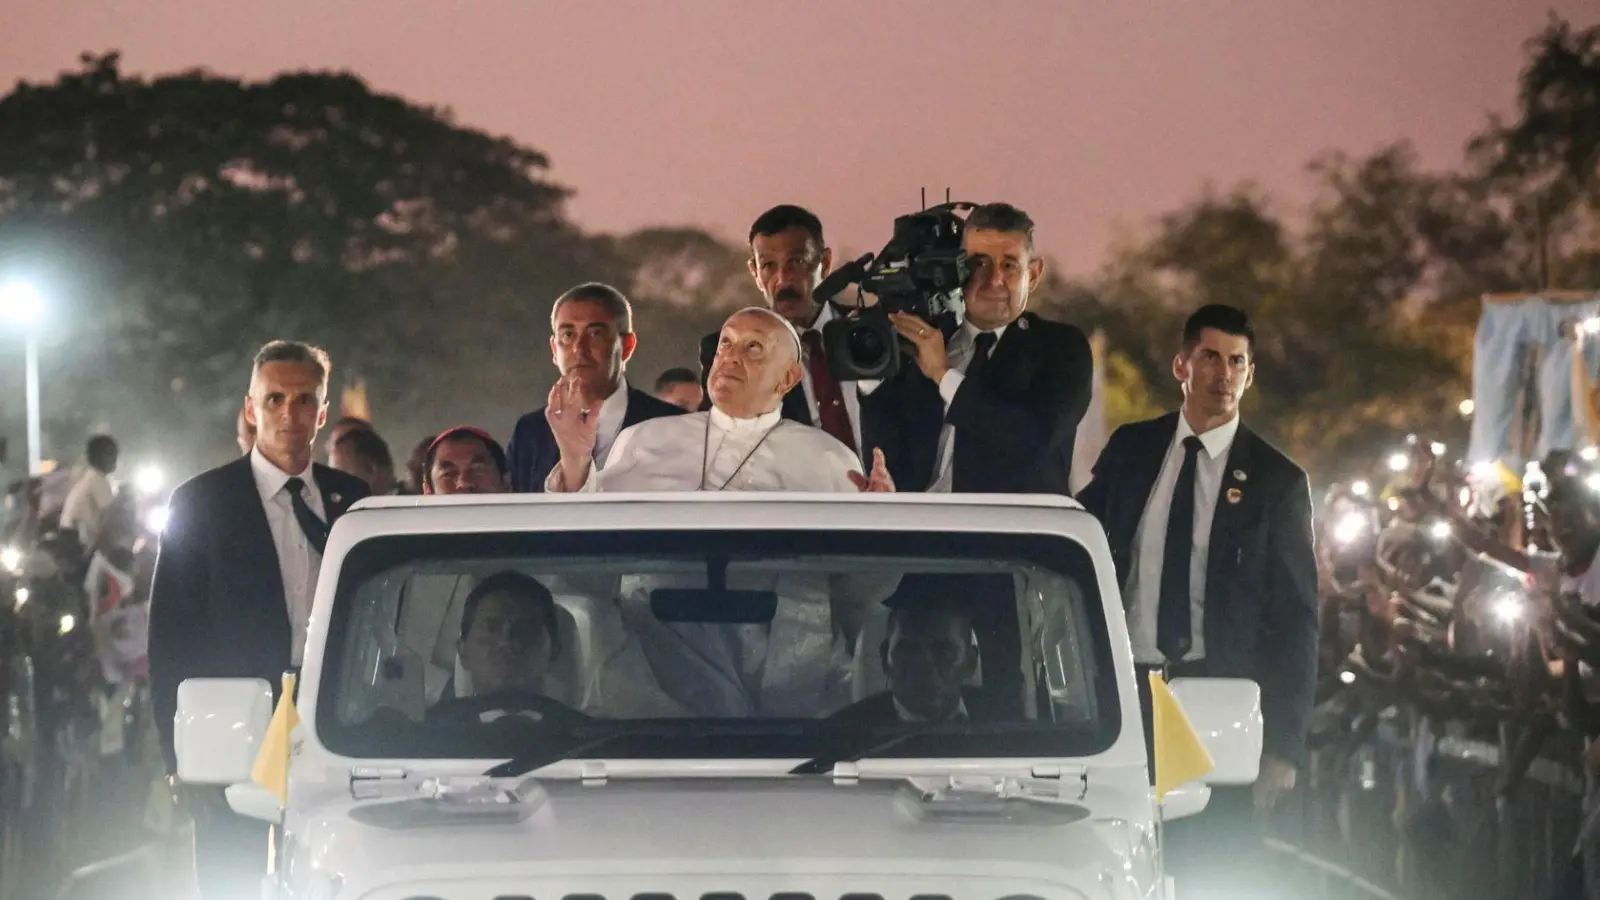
x,y
462,433
676,375
782,218
346,422
366,445
526,589
614,301
101,451
1001,217
295,352
1219,317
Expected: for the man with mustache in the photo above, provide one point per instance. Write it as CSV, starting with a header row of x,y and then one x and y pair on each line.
x,y
788,259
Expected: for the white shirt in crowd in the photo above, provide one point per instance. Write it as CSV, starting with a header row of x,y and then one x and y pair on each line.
x,y
86,506
298,561
1150,541
612,412
852,400
714,451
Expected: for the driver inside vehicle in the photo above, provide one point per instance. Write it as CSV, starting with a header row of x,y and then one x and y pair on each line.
x,y
509,639
930,655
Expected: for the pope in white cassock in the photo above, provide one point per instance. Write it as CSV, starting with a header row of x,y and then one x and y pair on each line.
x,y
742,443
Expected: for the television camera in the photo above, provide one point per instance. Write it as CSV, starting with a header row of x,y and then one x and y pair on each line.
x,y
920,271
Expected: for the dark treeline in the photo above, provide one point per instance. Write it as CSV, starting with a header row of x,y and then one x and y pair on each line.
x,y
176,223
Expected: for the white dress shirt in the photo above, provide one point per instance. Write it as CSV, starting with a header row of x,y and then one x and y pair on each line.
x,y
86,506
1150,541
852,400
298,561
714,451
958,355
719,669
612,412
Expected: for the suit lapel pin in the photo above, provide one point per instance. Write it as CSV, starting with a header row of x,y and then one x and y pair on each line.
x,y
1023,324
1235,495
336,498
1238,475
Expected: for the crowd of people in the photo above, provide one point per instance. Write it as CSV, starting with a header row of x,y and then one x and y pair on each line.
x,y
1468,593
1210,526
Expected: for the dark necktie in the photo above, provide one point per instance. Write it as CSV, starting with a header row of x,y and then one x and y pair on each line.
x,y
315,530
831,414
981,347
1174,636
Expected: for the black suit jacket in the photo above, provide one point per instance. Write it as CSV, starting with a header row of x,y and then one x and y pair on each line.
x,y
1261,577
217,608
533,451
1015,423
795,407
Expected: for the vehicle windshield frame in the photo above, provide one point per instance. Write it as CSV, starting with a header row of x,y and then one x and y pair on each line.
x,y
739,739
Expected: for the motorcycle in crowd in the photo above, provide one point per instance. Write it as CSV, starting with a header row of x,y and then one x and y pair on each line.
x,y
75,714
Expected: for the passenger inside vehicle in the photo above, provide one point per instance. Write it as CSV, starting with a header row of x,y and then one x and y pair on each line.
x,y
509,639
929,655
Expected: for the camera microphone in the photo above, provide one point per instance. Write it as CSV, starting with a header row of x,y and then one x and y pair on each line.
x,y
841,278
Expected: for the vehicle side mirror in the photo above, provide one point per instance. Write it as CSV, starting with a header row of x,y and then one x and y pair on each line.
x,y
219,728
1226,714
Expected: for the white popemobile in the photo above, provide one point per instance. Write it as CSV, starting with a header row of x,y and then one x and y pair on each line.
x,y
731,696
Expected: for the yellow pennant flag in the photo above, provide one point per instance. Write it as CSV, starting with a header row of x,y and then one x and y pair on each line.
x,y
353,401
1180,756
271,770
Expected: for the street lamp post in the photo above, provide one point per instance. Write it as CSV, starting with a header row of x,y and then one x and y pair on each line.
x,y
31,389
22,304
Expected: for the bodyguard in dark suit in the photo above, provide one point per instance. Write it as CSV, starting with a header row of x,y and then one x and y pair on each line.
x,y
1210,529
788,259
234,579
992,404
591,340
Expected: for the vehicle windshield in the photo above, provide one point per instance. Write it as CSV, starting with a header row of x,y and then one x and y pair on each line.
x,y
717,644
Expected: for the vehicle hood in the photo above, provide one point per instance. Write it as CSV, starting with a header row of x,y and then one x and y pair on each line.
x,y
691,837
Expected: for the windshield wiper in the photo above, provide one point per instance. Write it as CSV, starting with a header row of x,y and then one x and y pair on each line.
x,y
820,764
544,756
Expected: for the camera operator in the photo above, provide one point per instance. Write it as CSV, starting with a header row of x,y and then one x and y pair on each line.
x,y
788,259
993,403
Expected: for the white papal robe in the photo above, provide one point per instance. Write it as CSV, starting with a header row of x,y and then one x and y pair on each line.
x,y
715,669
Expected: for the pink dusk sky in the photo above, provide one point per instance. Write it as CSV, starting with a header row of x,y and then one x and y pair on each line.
x,y
1095,116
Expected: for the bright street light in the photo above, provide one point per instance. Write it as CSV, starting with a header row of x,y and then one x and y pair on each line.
x,y
149,479
23,304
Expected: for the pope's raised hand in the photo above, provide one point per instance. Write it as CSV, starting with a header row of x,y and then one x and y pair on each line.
x,y
879,482
573,427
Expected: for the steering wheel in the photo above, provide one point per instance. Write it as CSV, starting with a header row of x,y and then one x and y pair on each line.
x,y
524,707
